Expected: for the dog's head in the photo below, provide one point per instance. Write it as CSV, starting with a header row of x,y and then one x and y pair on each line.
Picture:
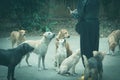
x,y
25,48
63,33
49,35
99,54
22,32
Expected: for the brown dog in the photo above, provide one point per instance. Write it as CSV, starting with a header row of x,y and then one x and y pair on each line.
x,y
113,40
17,37
63,34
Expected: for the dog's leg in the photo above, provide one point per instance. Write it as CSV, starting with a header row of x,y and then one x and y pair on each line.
x,y
113,52
109,50
13,69
39,60
43,62
55,62
94,74
58,65
93,77
10,75
27,57
13,43
100,74
119,45
73,70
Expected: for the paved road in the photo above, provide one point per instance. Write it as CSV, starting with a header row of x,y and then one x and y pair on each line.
x,y
111,63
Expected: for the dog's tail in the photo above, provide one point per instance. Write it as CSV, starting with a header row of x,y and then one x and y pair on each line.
x,y
85,61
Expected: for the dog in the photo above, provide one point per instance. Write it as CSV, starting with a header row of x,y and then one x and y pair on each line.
x,y
63,34
41,47
113,40
94,66
70,63
61,52
17,37
12,57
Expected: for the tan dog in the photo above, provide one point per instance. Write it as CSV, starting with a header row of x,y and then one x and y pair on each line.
x,y
40,47
113,40
70,63
17,37
62,34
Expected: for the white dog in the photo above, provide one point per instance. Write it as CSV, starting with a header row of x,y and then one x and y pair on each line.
x,y
40,47
70,63
61,52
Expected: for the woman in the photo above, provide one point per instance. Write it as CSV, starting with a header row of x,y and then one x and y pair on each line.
x,y
88,26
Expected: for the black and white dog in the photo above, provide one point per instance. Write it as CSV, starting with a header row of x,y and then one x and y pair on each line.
x,y
12,57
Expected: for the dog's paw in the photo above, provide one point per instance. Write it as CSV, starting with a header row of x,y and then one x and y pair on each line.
x,y
39,69
108,53
29,65
113,54
74,74
44,68
57,69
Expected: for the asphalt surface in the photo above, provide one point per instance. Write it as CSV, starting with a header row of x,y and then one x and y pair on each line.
x,y
111,64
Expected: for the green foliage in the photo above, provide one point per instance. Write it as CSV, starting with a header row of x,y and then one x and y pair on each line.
x,y
49,26
27,14
33,14
111,8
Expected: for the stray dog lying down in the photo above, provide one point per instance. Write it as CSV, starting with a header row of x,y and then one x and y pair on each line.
x,y
94,66
41,47
12,57
17,37
70,63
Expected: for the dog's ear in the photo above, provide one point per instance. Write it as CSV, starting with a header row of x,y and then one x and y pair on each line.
x,y
103,54
95,53
59,34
